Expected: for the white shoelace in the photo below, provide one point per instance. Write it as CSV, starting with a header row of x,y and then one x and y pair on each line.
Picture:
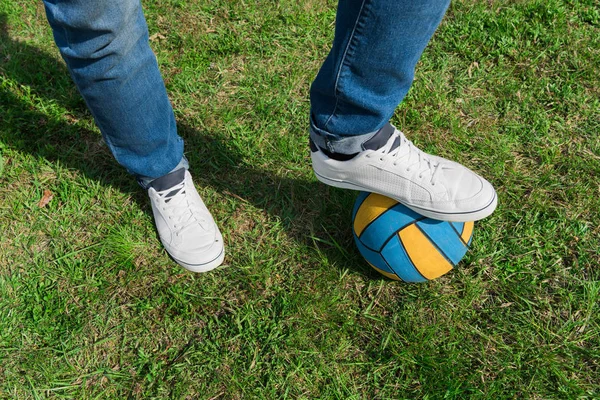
x,y
413,156
181,212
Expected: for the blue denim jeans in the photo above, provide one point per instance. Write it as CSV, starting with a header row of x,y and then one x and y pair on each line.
x,y
105,46
369,68
365,76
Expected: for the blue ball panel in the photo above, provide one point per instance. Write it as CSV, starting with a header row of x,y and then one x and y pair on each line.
x,y
373,257
397,258
387,225
458,226
444,238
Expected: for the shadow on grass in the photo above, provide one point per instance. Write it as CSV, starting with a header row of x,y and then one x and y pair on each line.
x,y
310,212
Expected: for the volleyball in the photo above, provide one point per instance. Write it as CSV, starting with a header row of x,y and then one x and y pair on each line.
x,y
404,245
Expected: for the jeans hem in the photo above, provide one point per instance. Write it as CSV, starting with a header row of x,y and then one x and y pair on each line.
x,y
339,144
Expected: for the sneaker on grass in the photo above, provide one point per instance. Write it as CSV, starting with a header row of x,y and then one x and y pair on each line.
x,y
391,165
184,224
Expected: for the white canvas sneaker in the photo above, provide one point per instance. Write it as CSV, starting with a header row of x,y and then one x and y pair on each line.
x,y
185,226
393,166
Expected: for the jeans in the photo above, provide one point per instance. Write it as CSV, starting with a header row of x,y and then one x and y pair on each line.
x,y
105,46
365,76
369,68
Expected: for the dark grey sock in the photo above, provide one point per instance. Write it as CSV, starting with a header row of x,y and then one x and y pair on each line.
x,y
376,142
381,138
166,182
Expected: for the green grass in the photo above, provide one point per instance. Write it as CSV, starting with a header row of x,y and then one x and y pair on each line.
x,y
92,307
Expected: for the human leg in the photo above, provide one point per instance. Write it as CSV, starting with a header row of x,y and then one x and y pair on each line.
x,y
105,46
371,64
367,73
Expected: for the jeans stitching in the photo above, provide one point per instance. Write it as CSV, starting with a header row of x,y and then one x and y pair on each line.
x,y
344,59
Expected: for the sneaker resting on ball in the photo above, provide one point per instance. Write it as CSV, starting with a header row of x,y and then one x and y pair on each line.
x,y
391,165
184,224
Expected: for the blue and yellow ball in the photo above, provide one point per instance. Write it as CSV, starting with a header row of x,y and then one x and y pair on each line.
x,y
404,245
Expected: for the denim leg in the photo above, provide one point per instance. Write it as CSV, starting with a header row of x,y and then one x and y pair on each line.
x,y
370,67
105,46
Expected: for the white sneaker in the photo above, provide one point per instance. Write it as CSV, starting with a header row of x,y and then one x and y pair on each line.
x,y
184,224
393,166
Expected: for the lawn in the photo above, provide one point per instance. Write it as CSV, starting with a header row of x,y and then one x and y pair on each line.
x,y
92,307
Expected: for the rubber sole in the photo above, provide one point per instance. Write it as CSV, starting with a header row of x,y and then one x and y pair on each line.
x,y
474,215
203,267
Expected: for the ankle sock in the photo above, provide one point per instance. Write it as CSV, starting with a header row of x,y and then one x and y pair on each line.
x,y
169,180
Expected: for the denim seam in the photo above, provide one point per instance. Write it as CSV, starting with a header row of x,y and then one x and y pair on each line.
x,y
343,61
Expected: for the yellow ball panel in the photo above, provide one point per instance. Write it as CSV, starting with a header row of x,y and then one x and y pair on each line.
x,y
467,231
423,254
